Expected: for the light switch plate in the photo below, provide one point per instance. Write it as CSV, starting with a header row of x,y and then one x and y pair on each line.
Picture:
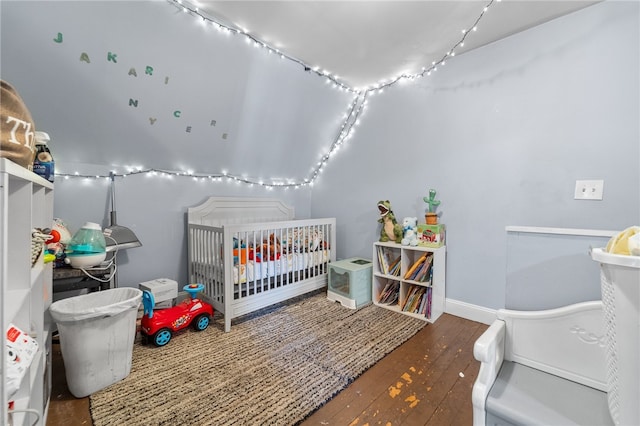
x,y
589,190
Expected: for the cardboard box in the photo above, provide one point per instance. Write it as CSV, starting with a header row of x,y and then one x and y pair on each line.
x,y
431,235
164,291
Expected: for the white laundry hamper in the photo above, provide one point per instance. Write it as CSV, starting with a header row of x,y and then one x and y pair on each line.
x,y
97,331
620,284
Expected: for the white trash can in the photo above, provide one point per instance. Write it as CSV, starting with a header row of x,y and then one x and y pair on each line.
x,y
620,284
97,331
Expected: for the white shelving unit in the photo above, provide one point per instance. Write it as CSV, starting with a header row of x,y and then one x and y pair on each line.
x,y
408,255
26,202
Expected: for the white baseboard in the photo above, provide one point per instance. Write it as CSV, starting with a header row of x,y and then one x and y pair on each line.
x,y
470,312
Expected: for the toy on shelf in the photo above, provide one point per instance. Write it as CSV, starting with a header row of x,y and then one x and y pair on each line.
x,y
410,227
431,217
431,233
391,229
56,246
159,326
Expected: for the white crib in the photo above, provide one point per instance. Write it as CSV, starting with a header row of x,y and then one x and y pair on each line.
x,y
250,253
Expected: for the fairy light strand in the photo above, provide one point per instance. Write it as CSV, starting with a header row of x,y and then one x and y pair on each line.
x,y
426,71
355,111
193,10
356,108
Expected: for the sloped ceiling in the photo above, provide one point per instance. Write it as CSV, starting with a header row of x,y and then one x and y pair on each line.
x,y
366,42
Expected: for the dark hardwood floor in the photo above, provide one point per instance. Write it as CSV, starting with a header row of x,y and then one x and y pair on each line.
x,y
425,381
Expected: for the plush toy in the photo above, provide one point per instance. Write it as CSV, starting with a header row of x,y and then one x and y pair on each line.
x,y
431,201
431,217
271,248
391,229
410,227
57,246
236,245
626,242
63,231
314,242
274,245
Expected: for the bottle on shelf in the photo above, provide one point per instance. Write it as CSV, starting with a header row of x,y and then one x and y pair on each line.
x,y
43,164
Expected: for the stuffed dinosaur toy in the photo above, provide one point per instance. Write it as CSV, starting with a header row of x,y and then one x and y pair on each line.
x,y
391,229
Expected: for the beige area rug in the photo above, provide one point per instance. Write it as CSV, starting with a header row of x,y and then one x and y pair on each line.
x,y
275,367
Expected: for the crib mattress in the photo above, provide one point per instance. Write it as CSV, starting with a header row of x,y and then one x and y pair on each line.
x,y
290,262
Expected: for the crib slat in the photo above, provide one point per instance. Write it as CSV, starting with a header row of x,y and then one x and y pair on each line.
x,y
255,278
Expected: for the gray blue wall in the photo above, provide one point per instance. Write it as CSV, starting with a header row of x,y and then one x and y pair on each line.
x,y
501,132
211,103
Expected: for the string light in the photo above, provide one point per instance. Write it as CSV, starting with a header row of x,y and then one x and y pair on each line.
x,y
347,129
187,7
442,61
351,119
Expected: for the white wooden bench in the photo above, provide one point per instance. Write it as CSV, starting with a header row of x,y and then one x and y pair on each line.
x,y
543,367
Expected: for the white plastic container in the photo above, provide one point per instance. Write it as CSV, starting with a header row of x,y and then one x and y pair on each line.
x,y
620,284
97,331
164,291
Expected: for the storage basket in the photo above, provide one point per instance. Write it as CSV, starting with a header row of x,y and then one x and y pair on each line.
x,y
620,284
38,239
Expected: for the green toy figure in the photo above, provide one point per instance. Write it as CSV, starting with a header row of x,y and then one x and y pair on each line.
x,y
431,217
391,229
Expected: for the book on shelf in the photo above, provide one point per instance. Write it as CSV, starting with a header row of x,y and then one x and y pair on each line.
x,y
394,268
415,266
418,300
423,272
420,270
382,261
390,293
413,299
423,304
389,260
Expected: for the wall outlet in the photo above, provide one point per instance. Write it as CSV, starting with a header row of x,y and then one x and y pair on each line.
x,y
589,189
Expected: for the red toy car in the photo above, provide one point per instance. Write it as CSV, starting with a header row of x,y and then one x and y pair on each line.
x,y
158,326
